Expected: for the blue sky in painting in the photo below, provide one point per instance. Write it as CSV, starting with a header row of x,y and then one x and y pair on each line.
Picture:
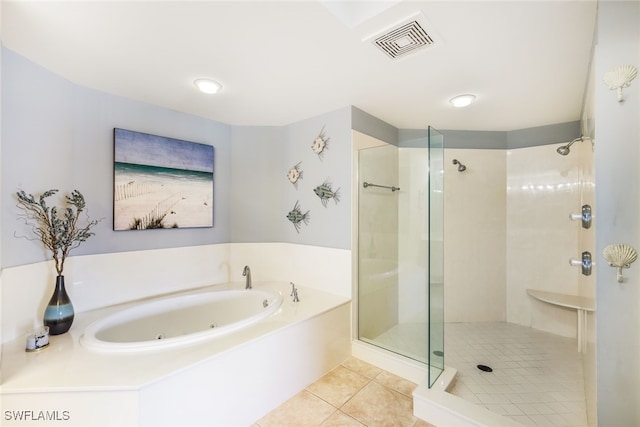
x,y
145,149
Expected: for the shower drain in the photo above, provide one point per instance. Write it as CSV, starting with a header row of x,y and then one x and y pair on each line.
x,y
485,368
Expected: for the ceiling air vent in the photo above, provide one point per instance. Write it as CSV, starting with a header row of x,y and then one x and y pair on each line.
x,y
403,39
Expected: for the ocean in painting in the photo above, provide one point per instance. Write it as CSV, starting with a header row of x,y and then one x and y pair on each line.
x,y
161,197
146,173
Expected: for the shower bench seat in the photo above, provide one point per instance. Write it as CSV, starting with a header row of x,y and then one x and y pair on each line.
x,y
582,305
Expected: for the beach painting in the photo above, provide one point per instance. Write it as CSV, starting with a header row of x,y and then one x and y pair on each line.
x,y
161,182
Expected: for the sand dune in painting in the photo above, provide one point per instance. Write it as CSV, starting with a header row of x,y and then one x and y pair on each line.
x,y
143,202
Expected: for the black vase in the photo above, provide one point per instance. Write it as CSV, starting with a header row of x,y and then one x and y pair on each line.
x,y
58,315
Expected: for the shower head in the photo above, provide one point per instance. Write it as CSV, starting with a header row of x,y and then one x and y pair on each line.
x,y
461,167
566,149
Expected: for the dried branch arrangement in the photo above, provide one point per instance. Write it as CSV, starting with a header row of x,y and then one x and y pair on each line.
x,y
58,231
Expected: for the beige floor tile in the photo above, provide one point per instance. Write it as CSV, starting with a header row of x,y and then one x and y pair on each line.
x,y
302,410
338,386
361,367
422,423
396,383
377,406
340,419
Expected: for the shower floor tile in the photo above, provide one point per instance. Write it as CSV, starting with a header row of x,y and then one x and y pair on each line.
x,y
537,377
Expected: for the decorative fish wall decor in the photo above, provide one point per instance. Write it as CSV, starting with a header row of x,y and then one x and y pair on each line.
x,y
325,193
294,174
296,216
320,143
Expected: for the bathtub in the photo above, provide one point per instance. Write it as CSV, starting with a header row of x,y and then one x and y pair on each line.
x,y
262,361
181,320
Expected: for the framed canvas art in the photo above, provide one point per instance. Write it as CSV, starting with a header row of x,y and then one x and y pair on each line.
x,y
161,182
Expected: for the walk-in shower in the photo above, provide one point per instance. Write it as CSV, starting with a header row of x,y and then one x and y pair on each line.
x,y
399,262
517,205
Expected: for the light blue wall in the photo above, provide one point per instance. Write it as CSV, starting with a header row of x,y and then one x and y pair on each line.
x,y
498,140
59,135
56,134
262,195
543,135
330,225
257,183
367,124
617,157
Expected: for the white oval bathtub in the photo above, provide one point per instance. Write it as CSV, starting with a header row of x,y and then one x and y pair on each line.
x,y
180,320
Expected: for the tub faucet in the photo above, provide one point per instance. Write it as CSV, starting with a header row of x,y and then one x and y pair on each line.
x,y
247,273
294,292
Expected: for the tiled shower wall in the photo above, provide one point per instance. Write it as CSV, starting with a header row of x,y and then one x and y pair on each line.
x,y
543,189
507,229
474,236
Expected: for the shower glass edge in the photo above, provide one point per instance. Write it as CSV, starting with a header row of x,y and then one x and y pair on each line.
x,y
436,256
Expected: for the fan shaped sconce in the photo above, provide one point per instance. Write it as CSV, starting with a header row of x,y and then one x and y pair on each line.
x,y
620,77
619,256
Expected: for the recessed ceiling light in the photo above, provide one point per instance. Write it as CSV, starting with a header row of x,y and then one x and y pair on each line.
x,y
207,85
462,100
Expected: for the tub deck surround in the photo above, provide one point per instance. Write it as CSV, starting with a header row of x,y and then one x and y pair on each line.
x,y
67,365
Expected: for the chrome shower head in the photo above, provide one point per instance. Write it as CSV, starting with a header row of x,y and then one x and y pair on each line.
x,y
566,149
461,167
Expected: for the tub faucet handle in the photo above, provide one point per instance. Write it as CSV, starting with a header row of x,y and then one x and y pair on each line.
x,y
294,292
247,273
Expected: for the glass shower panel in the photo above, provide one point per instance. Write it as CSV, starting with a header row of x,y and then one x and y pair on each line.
x,y
393,248
436,255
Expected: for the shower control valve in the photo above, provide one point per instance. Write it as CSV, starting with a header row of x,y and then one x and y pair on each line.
x,y
585,263
585,216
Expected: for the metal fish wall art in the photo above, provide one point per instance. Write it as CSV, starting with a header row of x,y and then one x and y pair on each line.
x,y
320,144
294,174
325,192
296,216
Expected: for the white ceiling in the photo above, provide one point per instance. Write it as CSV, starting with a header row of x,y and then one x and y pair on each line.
x,y
281,62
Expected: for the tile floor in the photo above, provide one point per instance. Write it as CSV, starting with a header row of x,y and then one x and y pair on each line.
x,y
353,394
537,380
537,377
